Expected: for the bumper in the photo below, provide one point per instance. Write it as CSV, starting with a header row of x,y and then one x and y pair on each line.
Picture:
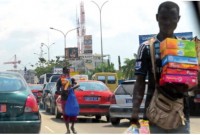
x,y
20,126
123,112
101,109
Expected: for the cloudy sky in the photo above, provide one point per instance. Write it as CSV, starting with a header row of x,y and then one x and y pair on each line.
x,y
24,25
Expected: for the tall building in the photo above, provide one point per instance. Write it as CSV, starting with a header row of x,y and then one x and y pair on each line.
x,y
81,31
86,59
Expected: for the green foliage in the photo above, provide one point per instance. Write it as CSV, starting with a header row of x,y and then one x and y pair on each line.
x,y
128,68
44,66
126,72
103,67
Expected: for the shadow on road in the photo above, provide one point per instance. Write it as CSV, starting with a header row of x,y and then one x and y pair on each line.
x,y
89,120
44,112
122,124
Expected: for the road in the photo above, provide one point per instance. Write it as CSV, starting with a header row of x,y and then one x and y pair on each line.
x,y
88,125
84,125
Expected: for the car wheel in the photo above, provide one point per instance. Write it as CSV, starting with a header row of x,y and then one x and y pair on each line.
x,y
40,105
98,117
107,118
52,109
115,121
57,114
46,108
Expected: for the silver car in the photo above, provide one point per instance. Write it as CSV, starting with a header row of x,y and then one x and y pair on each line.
x,y
121,107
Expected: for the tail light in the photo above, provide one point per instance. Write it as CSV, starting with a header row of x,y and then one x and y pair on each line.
x,y
113,100
31,104
39,93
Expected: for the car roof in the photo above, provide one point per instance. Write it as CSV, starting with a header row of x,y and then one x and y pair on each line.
x,y
16,74
10,72
88,81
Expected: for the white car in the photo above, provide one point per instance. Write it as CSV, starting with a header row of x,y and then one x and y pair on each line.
x,y
121,107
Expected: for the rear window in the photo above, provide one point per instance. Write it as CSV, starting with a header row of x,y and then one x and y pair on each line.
x,y
9,82
36,87
92,86
125,89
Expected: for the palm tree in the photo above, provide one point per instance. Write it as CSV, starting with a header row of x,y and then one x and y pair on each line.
x,y
128,68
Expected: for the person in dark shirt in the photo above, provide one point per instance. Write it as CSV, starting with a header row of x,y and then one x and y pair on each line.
x,y
167,18
63,85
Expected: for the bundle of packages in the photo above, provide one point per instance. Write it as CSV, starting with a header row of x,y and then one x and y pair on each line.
x,y
179,61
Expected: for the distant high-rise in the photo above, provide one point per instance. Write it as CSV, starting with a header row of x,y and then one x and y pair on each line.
x,y
81,31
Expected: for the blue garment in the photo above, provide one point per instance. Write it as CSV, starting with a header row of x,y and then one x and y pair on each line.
x,y
71,106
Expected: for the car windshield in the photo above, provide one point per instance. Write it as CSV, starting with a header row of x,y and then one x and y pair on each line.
x,y
55,78
111,79
49,86
11,82
125,89
94,86
36,87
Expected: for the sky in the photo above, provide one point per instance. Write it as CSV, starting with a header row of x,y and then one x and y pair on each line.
x,y
24,25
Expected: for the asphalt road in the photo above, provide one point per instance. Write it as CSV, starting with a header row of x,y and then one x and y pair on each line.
x,y
84,125
88,125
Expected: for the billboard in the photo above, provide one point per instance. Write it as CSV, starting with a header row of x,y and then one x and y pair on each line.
x,y
71,53
186,35
87,44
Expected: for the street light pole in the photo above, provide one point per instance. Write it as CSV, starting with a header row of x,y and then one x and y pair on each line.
x,y
64,34
100,9
48,47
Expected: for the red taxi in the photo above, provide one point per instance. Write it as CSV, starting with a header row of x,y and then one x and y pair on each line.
x,y
94,99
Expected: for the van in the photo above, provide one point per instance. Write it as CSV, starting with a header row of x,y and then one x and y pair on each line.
x,y
110,79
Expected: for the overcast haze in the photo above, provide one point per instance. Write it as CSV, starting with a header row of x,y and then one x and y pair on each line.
x,y
24,25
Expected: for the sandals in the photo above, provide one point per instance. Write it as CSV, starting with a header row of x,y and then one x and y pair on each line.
x,y
68,132
73,130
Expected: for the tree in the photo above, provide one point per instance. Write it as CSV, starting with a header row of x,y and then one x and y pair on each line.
x,y
128,69
43,66
109,67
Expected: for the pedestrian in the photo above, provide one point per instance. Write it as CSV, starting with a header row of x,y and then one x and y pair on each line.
x,y
64,83
167,18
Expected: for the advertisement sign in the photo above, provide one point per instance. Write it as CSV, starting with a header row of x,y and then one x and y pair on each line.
x,y
57,70
87,44
89,64
71,53
186,35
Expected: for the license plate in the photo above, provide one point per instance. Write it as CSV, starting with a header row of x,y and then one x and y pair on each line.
x,y
128,101
91,98
2,107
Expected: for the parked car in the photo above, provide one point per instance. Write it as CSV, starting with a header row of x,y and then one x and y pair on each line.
x,y
19,112
37,91
45,93
121,107
94,99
